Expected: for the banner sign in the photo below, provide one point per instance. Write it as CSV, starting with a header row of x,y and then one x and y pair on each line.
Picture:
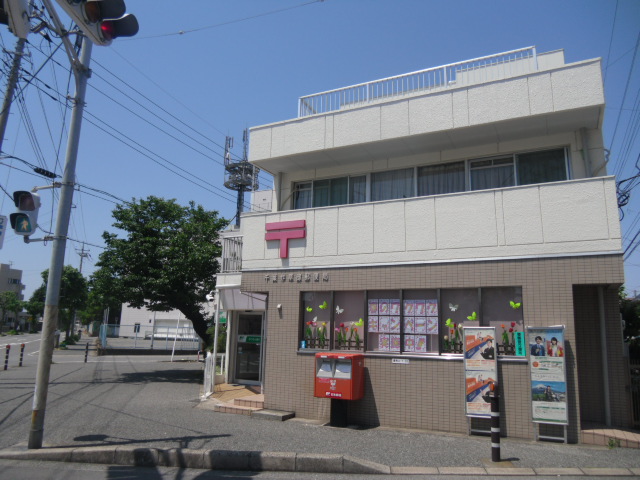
x,y
548,375
3,228
480,369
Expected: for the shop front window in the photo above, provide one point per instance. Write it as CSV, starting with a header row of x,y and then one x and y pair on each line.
x,y
418,321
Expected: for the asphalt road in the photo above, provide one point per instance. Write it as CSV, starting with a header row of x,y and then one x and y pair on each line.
x,y
150,401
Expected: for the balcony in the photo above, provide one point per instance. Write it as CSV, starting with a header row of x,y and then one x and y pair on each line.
x,y
486,101
577,217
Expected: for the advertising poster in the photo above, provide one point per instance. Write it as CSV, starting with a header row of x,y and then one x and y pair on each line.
x,y
481,369
548,379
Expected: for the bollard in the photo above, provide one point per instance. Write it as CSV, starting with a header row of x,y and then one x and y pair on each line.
x,y
495,422
6,357
21,354
86,352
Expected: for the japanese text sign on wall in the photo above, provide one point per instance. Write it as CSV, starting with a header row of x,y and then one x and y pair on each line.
x,y
285,231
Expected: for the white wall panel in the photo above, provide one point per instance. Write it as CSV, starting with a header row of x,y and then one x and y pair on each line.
x,y
355,230
389,227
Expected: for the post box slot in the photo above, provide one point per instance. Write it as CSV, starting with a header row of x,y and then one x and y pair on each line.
x,y
343,369
325,370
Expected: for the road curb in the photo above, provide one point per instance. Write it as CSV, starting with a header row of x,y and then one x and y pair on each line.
x,y
269,461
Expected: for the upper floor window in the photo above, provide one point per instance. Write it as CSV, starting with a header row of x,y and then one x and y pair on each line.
x,y
439,179
328,192
499,172
392,184
14,281
519,169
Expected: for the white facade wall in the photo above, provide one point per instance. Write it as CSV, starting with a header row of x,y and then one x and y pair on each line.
x,y
565,218
543,93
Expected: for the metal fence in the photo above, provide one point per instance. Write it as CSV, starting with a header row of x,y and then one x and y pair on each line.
x,y
469,72
212,368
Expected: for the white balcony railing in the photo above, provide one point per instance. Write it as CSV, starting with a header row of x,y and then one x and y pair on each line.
x,y
469,72
231,254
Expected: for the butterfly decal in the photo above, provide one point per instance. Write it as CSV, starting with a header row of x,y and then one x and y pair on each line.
x,y
323,306
339,310
473,316
453,307
309,309
449,323
515,305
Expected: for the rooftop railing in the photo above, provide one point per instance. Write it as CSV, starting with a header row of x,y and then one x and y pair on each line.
x,y
469,72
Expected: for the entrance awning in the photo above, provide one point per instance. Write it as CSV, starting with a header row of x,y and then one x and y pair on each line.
x,y
234,299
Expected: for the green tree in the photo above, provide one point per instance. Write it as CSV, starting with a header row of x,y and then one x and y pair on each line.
x,y
35,307
167,260
9,302
73,295
102,296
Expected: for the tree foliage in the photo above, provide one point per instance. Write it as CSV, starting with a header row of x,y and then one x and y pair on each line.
x,y
72,298
9,302
167,259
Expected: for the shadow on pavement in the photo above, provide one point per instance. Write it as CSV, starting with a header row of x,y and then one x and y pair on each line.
x,y
99,440
173,376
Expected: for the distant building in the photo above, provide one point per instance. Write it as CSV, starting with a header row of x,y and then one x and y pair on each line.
x,y
11,281
457,190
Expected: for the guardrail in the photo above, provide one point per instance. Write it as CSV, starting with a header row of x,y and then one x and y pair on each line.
x,y
469,72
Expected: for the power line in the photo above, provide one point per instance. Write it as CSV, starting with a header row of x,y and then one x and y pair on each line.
x,y
230,22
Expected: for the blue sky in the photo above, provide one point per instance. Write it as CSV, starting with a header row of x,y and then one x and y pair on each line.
x,y
244,63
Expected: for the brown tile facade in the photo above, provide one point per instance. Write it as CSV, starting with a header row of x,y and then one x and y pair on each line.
x,y
428,393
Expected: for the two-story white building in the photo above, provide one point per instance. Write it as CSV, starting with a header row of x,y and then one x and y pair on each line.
x,y
453,190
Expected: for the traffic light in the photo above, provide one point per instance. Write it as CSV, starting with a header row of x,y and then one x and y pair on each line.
x,y
15,14
25,220
101,20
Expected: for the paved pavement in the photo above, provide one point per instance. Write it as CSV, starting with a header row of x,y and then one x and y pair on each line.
x,y
146,410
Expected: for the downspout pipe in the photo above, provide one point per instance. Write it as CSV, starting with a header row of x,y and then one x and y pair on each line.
x,y
585,152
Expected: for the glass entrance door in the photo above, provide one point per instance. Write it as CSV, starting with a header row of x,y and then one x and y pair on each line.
x,y
249,343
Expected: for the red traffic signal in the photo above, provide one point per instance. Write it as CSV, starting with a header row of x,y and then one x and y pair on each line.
x,y
101,20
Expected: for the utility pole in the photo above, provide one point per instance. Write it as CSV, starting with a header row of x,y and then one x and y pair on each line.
x,y
83,254
11,86
50,320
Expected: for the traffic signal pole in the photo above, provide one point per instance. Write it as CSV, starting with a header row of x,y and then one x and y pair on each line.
x,y
13,81
50,320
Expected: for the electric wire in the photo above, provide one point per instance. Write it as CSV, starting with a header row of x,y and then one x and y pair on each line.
x,y
230,22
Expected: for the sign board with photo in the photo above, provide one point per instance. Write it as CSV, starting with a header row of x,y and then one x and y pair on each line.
x,y
546,350
481,369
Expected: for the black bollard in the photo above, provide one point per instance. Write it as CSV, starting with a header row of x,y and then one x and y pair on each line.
x,y
495,423
86,352
21,354
6,357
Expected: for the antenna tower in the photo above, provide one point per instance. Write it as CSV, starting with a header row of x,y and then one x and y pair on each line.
x,y
239,175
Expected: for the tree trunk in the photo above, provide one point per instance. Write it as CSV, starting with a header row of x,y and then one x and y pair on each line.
x,y
199,322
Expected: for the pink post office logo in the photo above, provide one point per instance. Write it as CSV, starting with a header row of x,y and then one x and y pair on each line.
x,y
285,231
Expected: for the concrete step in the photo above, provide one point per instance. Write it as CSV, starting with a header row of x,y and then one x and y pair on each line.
x,y
235,409
256,401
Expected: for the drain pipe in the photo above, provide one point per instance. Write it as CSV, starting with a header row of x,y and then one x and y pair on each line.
x,y
585,152
603,350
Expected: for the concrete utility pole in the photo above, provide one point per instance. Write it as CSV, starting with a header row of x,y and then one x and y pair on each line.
x,y
11,86
50,320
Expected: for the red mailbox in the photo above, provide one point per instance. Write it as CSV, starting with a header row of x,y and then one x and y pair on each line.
x,y
339,375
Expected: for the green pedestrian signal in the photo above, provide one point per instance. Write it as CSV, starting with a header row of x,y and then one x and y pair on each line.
x,y
25,220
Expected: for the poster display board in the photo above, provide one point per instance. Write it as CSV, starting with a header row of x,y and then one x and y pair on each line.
x,y
548,375
480,369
